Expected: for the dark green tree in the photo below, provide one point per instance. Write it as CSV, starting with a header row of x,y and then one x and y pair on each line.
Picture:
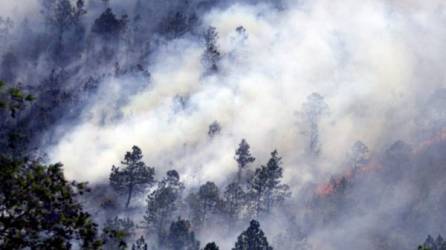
x,y
61,16
252,239
39,208
211,246
243,157
266,189
108,26
204,203
234,199
181,236
212,55
134,176
117,232
163,202
431,244
13,99
214,129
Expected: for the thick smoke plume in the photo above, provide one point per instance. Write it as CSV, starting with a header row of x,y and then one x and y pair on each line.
x,y
375,66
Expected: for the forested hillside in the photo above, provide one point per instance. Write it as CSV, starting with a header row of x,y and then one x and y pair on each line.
x,y
222,124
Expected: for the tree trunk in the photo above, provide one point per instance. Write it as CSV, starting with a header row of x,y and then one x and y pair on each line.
x,y
239,175
129,196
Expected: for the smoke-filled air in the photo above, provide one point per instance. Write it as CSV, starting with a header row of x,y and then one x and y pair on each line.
x,y
223,124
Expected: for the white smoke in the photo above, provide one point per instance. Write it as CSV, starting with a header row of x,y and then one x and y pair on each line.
x,y
17,8
364,58
374,61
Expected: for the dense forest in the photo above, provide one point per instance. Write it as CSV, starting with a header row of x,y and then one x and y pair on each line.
x,y
222,124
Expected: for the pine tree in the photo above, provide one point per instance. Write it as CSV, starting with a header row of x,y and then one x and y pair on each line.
x,y
60,16
211,55
39,208
204,203
252,239
431,244
234,198
108,25
211,246
134,176
266,189
243,157
163,202
214,129
181,236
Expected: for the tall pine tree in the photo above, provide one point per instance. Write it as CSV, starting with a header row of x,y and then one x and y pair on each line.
x,y
163,202
134,176
204,203
181,237
266,189
243,157
234,198
211,246
252,238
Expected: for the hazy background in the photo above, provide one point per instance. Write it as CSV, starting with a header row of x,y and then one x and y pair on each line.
x,y
378,64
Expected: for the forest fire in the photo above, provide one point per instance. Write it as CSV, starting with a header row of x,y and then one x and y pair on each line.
x,y
335,183
326,189
439,137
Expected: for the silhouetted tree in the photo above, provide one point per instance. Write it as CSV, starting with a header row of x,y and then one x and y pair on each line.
x,y
252,238
211,246
133,176
204,203
108,25
39,208
60,16
163,202
13,99
431,244
234,199
265,188
181,236
243,158
214,129
211,55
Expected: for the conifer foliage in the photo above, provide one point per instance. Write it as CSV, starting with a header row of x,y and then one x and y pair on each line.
x,y
252,238
39,208
134,176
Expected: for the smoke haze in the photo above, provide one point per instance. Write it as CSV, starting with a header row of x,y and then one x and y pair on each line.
x,y
377,64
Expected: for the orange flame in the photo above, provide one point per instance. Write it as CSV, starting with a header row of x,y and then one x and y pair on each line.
x,y
326,189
